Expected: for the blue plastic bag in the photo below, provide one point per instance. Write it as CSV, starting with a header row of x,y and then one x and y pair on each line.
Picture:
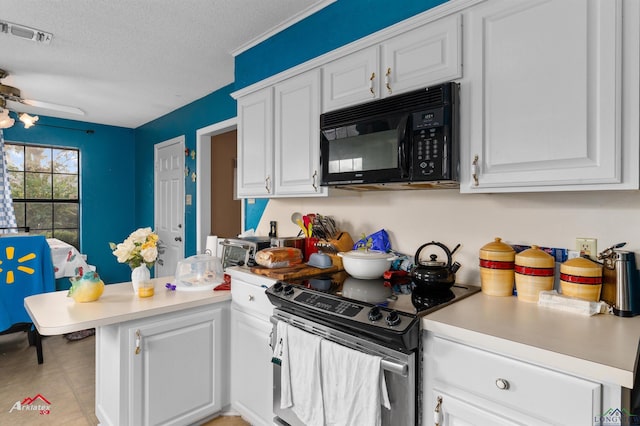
x,y
378,241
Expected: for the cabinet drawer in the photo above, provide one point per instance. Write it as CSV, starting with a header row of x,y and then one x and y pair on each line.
x,y
250,298
544,394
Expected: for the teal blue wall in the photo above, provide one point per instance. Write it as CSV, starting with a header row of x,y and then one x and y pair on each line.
x,y
214,108
334,26
107,191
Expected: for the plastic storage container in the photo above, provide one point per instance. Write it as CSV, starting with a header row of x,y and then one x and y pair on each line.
x,y
497,268
199,272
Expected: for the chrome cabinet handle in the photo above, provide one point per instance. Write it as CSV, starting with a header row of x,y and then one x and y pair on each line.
x,y
251,298
267,184
474,170
138,342
373,77
437,415
315,176
502,384
386,80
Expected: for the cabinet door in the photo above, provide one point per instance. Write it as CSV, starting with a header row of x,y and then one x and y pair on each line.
x,y
544,95
297,136
251,369
351,80
455,411
255,144
175,366
422,57
505,388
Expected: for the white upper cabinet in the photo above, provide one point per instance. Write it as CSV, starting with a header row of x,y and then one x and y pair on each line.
x,y
297,136
278,139
421,57
351,80
545,94
255,144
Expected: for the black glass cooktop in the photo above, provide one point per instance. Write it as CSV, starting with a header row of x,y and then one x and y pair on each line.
x,y
399,294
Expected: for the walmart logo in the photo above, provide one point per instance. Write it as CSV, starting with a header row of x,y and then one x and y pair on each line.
x,y
9,264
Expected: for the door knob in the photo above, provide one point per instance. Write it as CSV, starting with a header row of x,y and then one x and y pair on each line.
x,y
178,239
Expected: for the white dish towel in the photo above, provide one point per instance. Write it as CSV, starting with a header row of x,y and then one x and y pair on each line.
x,y
353,386
300,374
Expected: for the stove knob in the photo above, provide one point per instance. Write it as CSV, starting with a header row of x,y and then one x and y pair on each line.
x,y
288,290
375,314
393,318
277,287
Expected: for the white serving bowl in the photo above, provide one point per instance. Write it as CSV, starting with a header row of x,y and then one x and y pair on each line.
x,y
366,264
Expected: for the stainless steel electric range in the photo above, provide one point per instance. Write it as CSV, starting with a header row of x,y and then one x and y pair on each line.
x,y
380,317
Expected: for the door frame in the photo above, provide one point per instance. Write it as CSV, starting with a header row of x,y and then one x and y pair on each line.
x,y
156,148
203,183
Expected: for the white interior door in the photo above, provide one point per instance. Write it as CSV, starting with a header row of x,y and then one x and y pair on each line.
x,y
169,203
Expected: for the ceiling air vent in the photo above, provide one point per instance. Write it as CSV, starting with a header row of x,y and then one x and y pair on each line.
x,y
25,32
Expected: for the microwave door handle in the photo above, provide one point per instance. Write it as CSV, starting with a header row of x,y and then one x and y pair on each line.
x,y
403,145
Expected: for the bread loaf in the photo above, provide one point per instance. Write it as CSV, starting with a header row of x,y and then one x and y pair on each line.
x,y
278,257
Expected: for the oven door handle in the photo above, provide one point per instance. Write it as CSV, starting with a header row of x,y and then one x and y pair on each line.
x,y
394,367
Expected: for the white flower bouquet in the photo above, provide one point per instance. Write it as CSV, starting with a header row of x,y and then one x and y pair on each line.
x,y
142,246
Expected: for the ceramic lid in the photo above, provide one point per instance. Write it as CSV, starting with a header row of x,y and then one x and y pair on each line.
x,y
535,257
497,251
498,246
581,267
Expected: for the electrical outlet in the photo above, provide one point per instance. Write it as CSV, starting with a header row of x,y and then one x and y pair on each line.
x,y
588,246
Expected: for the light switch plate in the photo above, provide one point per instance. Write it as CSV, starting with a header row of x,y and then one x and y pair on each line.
x,y
187,199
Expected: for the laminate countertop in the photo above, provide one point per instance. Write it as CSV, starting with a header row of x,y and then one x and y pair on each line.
x,y
55,313
602,347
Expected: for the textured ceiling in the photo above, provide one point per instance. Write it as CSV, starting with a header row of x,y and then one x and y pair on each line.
x,y
127,62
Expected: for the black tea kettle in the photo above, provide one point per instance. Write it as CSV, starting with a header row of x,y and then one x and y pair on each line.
x,y
434,274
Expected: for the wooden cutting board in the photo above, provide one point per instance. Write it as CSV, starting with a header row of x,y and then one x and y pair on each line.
x,y
294,272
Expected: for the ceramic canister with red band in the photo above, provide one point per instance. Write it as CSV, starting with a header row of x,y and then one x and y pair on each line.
x,y
534,270
497,268
581,278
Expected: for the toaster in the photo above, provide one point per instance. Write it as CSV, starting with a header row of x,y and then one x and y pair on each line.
x,y
242,251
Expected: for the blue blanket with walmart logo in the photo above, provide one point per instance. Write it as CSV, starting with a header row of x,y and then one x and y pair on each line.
x,y
25,269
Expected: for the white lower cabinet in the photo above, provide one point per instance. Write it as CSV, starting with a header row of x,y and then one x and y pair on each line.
x,y
251,369
464,385
162,370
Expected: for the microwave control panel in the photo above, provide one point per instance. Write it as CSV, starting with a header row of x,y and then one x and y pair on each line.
x,y
429,151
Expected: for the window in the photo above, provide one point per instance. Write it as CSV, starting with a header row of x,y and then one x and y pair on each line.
x,y
45,189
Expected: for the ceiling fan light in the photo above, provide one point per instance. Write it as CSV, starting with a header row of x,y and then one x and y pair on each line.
x,y
5,120
28,120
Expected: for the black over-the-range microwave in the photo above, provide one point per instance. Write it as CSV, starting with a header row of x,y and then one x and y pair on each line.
x,y
406,141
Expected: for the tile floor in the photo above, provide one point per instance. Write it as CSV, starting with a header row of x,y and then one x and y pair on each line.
x,y
66,380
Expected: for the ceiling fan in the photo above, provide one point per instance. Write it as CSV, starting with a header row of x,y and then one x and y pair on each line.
x,y
10,94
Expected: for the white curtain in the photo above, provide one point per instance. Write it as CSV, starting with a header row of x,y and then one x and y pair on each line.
x,y
7,214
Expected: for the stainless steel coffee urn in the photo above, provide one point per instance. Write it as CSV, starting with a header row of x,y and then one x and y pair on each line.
x,y
627,282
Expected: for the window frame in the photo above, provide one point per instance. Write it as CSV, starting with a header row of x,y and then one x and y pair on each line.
x,y
52,202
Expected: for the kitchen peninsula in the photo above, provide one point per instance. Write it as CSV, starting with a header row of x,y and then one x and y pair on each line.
x,y
157,358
